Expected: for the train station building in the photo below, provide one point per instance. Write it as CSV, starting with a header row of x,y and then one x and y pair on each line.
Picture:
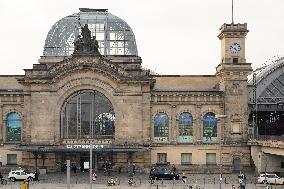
x,y
90,88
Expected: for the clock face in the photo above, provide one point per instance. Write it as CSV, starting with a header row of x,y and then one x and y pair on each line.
x,y
235,48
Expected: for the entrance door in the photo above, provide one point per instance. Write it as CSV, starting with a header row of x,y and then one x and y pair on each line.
x,y
84,161
236,164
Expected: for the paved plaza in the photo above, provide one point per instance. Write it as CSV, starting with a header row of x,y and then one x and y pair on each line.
x,y
80,180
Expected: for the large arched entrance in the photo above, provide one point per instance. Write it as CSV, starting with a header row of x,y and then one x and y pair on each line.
x,y
87,114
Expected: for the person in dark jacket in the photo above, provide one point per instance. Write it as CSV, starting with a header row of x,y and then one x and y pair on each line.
x,y
133,169
36,175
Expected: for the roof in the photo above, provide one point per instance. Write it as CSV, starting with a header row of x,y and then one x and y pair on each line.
x,y
186,83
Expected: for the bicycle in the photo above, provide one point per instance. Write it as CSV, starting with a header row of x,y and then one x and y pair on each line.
x,y
134,181
113,181
3,181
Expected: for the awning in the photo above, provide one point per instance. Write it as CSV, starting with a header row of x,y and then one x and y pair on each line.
x,y
81,148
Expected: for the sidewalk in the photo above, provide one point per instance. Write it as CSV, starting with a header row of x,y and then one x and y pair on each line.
x,y
80,180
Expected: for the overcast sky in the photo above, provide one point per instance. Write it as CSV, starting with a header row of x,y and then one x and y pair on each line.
x,y
173,37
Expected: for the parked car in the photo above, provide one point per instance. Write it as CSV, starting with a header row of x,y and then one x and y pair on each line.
x,y
270,178
20,174
163,172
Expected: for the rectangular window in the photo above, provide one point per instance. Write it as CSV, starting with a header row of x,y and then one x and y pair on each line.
x,y
210,158
282,164
12,159
161,157
186,158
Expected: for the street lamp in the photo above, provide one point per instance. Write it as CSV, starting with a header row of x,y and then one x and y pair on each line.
x,y
91,164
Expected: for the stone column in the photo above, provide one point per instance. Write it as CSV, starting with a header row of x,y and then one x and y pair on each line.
x,y
173,128
198,123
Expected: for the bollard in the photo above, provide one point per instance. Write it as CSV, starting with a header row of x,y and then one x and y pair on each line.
x,y
225,180
68,173
204,181
157,186
214,180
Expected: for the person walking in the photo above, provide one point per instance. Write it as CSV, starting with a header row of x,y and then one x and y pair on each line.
x,y
24,185
37,175
94,176
183,178
133,169
174,168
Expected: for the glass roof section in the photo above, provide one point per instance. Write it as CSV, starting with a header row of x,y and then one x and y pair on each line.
x,y
114,35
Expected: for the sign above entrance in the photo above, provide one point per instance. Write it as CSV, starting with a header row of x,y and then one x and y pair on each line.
x,y
83,146
88,141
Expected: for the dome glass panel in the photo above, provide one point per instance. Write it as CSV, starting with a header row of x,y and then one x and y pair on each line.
x,y
114,35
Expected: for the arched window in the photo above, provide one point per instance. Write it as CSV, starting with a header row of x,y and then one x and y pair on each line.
x,y
185,127
161,127
87,114
14,124
209,127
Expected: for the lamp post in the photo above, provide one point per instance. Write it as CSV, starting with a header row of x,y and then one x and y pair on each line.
x,y
220,146
91,165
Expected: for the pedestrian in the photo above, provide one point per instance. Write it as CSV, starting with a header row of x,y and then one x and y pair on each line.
x,y
119,169
105,168
0,161
133,169
174,168
108,170
36,175
74,167
94,176
233,187
24,185
183,178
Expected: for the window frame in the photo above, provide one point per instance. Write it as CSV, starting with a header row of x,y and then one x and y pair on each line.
x,y
185,126
207,122
9,155
161,133
211,163
186,163
162,154
8,126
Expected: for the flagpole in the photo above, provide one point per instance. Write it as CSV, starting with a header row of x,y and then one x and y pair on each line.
x,y
232,11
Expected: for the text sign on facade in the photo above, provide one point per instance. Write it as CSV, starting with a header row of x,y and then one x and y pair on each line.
x,y
83,146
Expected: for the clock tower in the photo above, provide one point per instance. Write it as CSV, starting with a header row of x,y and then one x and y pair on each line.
x,y
232,74
232,38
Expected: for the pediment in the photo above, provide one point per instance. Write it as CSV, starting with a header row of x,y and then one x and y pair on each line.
x,y
50,73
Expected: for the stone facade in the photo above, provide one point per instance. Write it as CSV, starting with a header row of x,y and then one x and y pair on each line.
x,y
136,96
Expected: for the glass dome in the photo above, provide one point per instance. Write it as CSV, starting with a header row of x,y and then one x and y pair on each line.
x,y
114,35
